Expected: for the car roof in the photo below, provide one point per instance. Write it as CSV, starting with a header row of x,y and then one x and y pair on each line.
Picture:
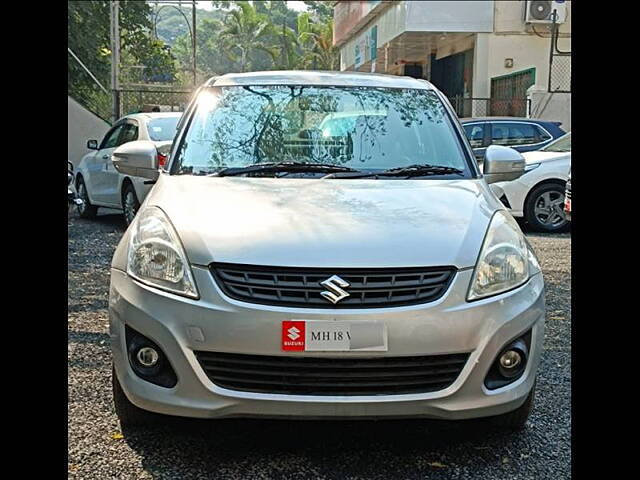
x,y
320,78
506,119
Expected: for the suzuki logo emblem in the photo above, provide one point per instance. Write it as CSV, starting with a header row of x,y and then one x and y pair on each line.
x,y
334,292
292,333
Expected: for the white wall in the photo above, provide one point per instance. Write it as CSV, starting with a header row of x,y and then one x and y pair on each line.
x,y
423,16
509,17
551,106
82,126
527,51
512,38
481,87
450,16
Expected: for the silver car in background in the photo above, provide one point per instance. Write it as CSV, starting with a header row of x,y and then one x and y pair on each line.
x,y
99,184
323,245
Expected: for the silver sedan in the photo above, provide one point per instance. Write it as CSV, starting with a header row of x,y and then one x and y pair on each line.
x,y
323,245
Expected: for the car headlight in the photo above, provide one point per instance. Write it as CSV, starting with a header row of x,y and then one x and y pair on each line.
x,y
156,256
506,259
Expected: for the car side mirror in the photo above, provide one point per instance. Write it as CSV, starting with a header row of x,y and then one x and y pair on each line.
x,y
138,159
502,164
92,145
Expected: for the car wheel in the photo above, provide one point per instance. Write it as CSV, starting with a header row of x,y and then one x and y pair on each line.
x,y
85,209
517,419
128,414
544,208
130,203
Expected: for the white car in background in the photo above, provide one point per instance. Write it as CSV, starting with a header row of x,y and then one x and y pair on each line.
x,y
538,195
97,181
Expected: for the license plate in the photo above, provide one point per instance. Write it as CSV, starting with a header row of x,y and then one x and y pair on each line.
x,y
323,336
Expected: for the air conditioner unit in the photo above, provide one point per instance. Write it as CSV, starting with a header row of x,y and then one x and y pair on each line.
x,y
541,11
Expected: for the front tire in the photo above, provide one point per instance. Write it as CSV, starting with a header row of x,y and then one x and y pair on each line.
x,y
128,414
85,209
130,203
544,208
517,419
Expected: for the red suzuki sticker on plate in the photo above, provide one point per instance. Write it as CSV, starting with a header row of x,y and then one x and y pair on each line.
x,y
293,335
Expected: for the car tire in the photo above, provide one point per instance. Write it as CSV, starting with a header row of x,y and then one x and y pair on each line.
x,y
544,208
517,419
128,414
130,203
85,209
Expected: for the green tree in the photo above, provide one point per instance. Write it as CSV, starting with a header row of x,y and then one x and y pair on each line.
x,y
261,35
316,39
284,36
322,10
89,38
246,34
170,23
210,58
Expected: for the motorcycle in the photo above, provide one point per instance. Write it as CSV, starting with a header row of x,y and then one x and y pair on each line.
x,y
72,198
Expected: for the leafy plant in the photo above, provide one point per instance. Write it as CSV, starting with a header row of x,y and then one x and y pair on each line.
x,y
317,40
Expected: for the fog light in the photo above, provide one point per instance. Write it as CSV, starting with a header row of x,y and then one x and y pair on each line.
x,y
147,356
148,361
510,359
510,364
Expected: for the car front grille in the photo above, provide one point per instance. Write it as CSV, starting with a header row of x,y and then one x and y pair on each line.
x,y
297,375
300,287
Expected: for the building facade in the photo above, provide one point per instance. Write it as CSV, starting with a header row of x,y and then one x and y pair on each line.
x,y
489,57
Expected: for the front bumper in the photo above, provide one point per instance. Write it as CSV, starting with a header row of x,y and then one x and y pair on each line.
x,y
219,324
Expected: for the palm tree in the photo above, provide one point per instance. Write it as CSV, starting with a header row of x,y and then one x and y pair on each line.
x,y
247,31
284,36
317,41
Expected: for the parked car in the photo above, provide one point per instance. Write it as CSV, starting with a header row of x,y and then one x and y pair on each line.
x,y
99,184
567,198
72,198
522,134
538,195
368,272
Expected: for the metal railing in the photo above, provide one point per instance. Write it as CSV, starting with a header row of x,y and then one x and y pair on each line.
x,y
559,64
86,89
134,101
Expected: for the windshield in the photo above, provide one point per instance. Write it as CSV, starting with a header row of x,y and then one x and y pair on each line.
x,y
164,128
368,129
562,144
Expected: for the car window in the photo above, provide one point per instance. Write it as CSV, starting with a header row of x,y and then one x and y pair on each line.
x,y
129,134
510,134
562,144
111,138
161,129
544,136
364,128
475,134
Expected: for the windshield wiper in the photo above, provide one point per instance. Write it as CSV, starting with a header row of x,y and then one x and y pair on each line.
x,y
275,167
407,171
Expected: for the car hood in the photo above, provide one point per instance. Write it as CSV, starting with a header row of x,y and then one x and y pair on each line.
x,y
331,222
542,157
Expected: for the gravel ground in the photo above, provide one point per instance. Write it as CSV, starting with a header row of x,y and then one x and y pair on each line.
x,y
302,449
